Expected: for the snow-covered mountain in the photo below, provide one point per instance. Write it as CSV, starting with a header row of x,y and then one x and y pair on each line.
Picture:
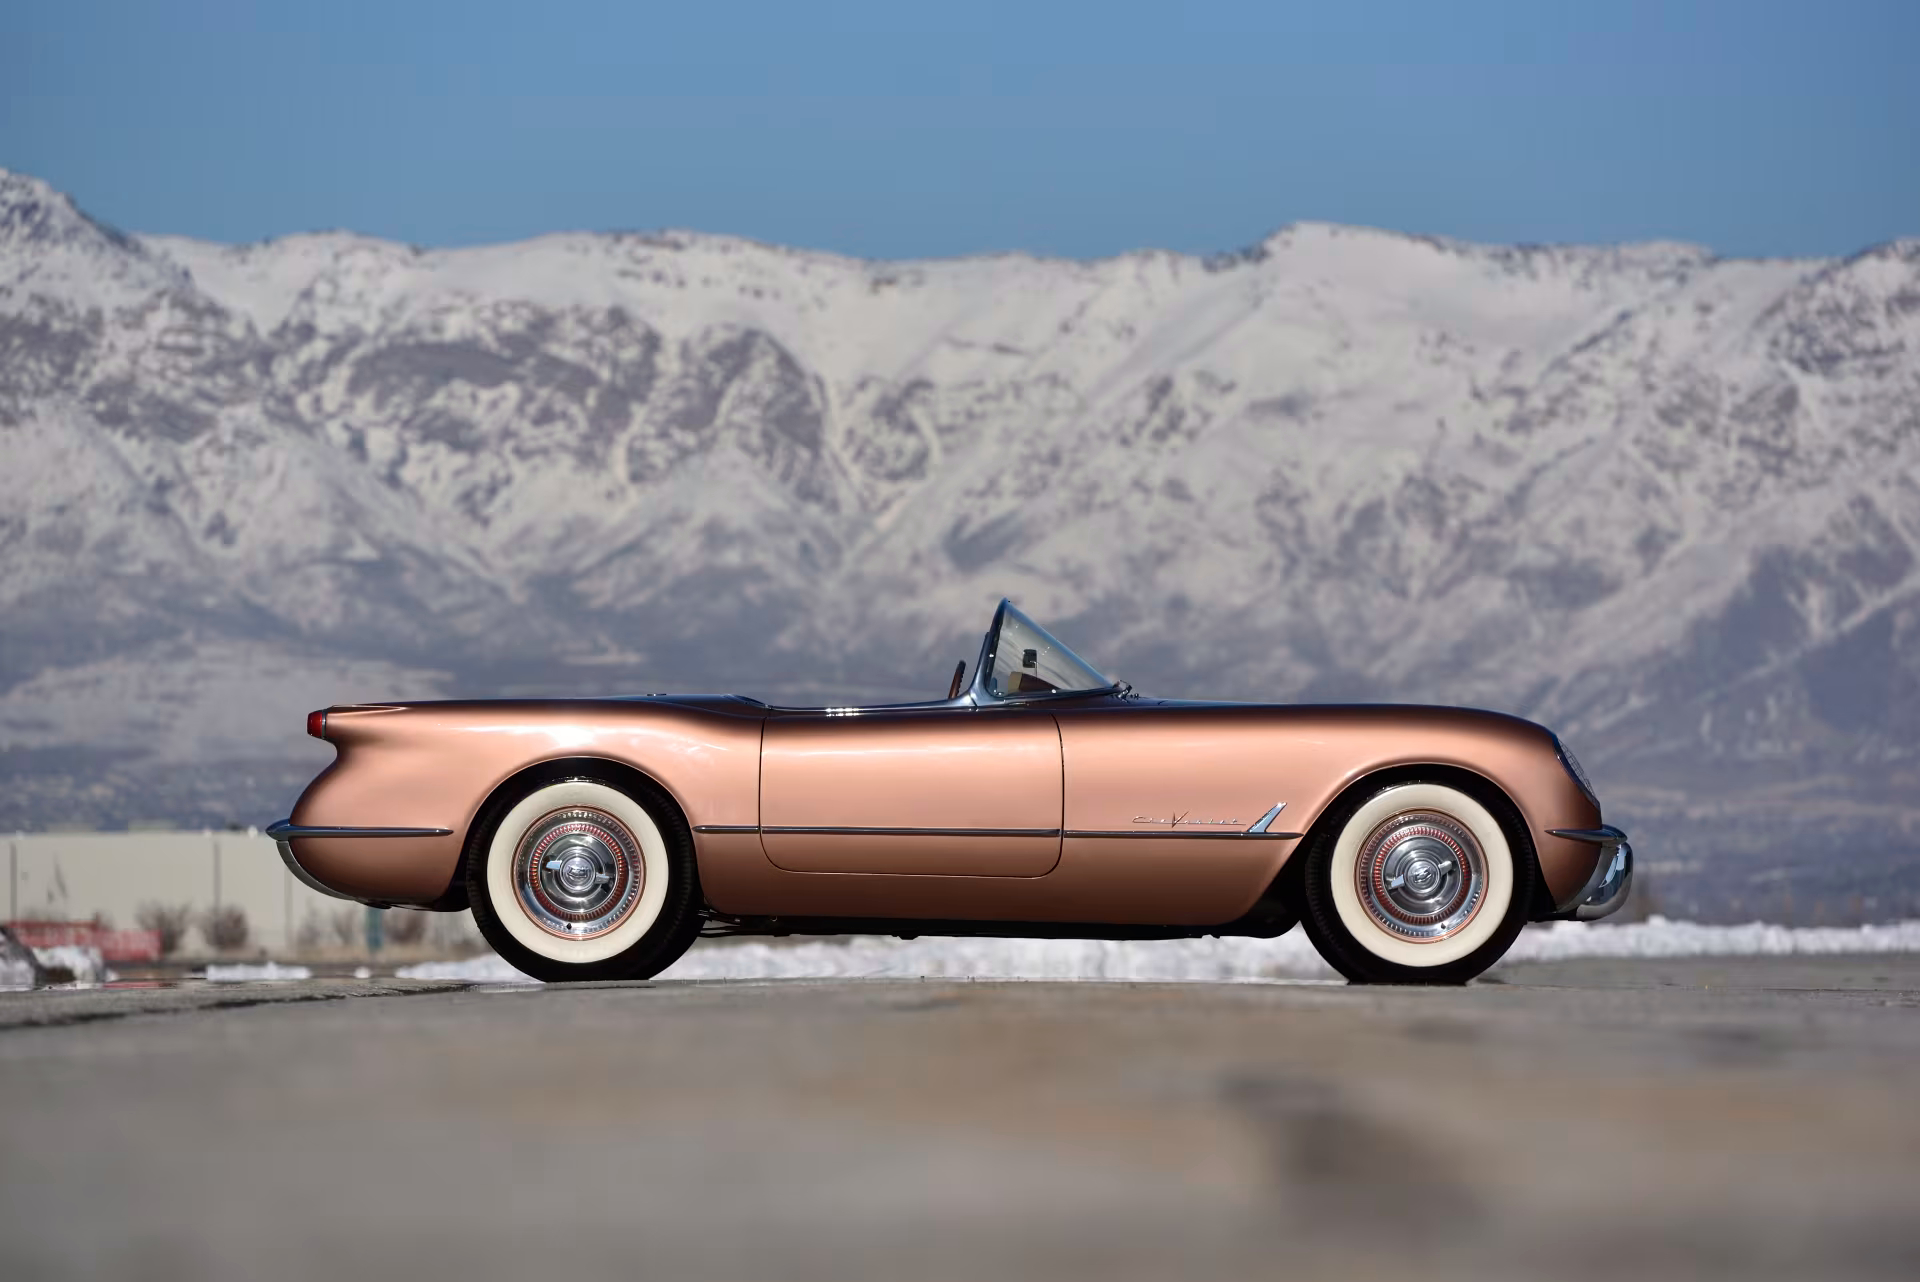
x,y
1665,502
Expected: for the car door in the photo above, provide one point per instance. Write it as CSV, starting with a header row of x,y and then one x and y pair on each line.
x,y
941,792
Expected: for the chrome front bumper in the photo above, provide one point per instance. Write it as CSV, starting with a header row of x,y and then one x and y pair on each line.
x,y
1612,876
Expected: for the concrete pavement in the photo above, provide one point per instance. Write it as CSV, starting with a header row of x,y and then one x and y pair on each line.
x,y
1580,1119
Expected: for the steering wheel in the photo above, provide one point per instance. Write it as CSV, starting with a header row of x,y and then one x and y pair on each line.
x,y
959,675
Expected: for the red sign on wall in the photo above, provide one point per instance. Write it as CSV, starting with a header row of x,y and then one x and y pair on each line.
x,y
114,945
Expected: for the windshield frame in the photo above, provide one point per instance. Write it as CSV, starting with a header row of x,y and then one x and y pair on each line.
x,y
982,695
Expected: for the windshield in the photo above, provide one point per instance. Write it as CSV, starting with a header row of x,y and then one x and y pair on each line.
x,y
1023,658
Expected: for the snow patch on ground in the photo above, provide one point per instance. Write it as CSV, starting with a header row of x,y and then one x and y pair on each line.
x,y
488,969
1659,937
86,965
1193,960
241,972
1203,960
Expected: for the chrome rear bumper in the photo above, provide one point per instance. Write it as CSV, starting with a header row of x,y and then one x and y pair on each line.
x,y
1612,877
283,833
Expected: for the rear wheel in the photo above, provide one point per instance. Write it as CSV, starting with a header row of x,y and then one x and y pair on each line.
x,y
586,878
1418,883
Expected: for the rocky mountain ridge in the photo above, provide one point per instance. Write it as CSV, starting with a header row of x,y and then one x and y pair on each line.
x,y
1665,502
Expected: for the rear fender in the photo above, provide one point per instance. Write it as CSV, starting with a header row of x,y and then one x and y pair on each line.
x,y
436,765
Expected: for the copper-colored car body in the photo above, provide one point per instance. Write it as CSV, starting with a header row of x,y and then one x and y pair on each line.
x,y
1101,808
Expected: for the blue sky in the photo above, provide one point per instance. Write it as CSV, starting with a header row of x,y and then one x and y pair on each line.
x,y
891,130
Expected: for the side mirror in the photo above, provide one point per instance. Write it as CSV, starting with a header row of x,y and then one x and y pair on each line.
x,y
959,676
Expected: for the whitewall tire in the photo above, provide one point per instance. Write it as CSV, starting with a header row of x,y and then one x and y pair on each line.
x,y
1418,882
585,877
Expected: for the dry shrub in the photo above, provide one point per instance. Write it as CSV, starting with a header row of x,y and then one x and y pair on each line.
x,y
226,927
170,921
404,926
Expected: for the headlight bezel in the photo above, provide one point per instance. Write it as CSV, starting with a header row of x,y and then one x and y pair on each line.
x,y
1571,764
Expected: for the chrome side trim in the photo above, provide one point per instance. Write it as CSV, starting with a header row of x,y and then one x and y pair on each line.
x,y
912,832
1265,821
784,831
286,829
1186,836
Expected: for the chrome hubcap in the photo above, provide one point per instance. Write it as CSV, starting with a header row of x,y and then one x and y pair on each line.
x,y
578,872
1421,875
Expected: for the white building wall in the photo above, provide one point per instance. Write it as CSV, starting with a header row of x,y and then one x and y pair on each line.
x,y
74,875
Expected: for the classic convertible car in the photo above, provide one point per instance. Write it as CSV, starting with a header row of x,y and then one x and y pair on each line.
x,y
597,839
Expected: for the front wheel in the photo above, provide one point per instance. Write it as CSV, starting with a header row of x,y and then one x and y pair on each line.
x,y
585,878
1419,883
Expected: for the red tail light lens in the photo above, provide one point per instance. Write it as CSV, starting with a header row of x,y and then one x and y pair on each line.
x,y
317,724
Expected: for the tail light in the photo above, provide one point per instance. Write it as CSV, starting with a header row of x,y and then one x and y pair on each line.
x,y
317,724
